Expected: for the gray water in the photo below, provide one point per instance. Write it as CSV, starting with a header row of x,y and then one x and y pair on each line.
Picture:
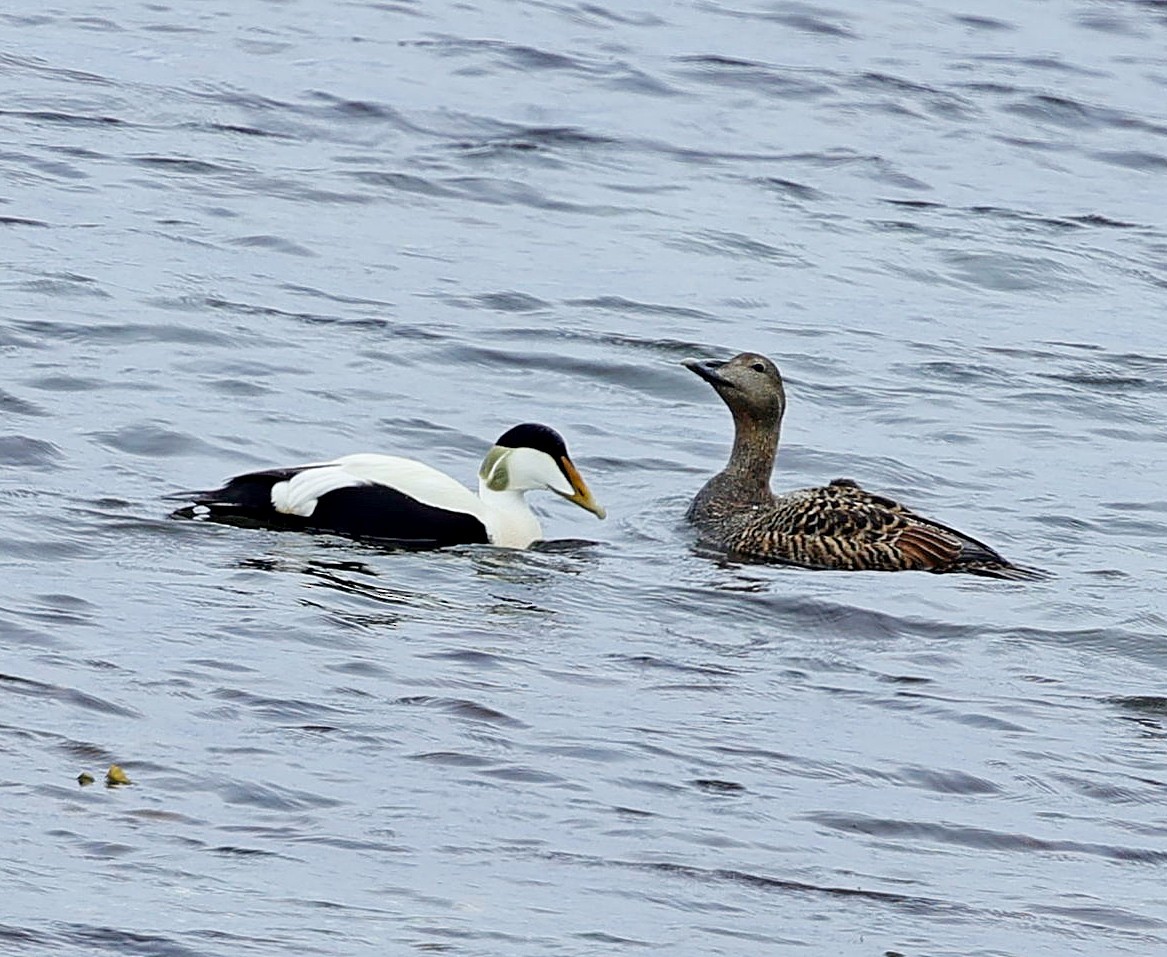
x,y
235,235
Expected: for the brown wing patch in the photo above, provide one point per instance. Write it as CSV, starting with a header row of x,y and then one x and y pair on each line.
x,y
925,547
841,525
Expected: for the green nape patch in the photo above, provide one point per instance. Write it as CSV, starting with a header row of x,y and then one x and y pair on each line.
x,y
493,470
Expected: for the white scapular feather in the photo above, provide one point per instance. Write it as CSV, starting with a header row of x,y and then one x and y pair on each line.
x,y
299,494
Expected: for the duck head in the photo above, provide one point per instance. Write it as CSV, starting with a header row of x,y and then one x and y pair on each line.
x,y
749,384
530,457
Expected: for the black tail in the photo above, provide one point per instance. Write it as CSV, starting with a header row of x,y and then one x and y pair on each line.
x,y
248,494
1000,569
977,558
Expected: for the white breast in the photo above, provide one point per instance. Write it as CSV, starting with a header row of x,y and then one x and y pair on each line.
x,y
510,522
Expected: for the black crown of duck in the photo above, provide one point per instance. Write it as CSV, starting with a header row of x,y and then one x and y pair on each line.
x,y
401,500
839,526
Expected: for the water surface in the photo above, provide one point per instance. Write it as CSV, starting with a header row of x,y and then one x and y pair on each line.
x,y
239,236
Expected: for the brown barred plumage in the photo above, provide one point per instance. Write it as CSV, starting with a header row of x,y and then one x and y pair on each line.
x,y
839,526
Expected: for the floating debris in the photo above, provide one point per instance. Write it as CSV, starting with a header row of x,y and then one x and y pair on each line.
x,y
115,777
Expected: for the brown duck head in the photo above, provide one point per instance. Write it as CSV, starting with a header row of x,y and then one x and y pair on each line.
x,y
749,384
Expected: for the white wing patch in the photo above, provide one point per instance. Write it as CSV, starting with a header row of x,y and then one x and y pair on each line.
x,y
299,495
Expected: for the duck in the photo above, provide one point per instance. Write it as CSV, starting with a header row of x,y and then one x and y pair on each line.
x,y
837,526
404,501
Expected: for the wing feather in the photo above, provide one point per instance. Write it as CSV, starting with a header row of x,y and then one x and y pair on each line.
x,y
926,547
844,525
299,494
366,495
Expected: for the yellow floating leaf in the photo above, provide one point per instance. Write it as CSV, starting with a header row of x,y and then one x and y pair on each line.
x,y
116,776
85,778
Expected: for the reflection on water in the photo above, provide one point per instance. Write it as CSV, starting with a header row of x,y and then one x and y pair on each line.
x,y
233,239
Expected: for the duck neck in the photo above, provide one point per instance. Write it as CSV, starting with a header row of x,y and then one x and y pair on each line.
x,y
755,446
510,522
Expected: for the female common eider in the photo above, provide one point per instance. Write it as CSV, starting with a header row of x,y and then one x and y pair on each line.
x,y
840,526
401,500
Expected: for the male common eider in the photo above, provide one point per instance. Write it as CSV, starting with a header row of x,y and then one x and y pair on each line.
x,y
401,500
840,526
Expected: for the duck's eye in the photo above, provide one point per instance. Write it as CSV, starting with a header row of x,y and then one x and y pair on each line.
x,y
758,367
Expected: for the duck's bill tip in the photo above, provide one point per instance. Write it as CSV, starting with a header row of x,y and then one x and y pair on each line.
x,y
584,500
581,494
705,368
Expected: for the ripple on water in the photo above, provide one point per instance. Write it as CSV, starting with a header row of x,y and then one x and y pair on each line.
x,y
226,247
911,832
17,406
273,797
26,452
72,697
462,708
150,440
